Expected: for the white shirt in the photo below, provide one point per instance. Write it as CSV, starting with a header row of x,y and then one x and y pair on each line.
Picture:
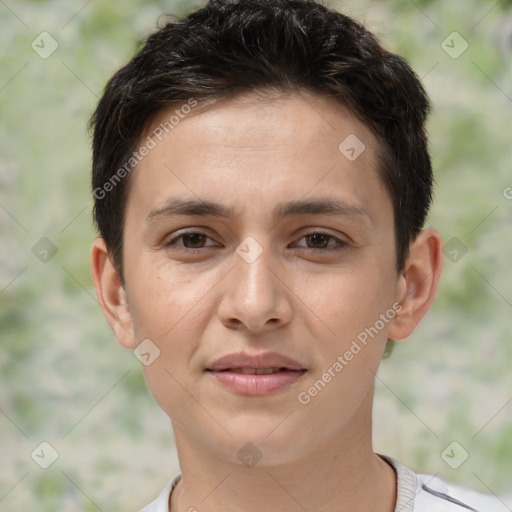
x,y
415,493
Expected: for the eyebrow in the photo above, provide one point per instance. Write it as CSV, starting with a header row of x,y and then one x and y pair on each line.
x,y
198,207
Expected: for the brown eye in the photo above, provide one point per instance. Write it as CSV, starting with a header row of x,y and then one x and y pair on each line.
x,y
193,240
319,240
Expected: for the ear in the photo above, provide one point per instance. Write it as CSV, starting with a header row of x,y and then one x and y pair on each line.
x,y
111,294
418,283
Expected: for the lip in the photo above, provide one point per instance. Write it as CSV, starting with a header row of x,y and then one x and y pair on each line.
x,y
263,360
224,372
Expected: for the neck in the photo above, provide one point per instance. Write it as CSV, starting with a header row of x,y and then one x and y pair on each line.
x,y
341,474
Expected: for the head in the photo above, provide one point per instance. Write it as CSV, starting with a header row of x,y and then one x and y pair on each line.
x,y
285,46
282,121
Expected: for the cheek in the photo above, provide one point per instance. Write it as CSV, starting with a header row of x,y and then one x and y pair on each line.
x,y
161,300
168,317
348,302
176,332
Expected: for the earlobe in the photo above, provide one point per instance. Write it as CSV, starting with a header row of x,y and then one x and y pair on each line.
x,y
418,283
111,294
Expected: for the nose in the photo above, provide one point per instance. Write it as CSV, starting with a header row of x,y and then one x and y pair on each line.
x,y
255,295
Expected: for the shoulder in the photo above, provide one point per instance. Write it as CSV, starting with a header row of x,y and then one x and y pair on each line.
x,y
433,491
429,493
161,504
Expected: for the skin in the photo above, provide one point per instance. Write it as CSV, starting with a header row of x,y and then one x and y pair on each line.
x,y
250,154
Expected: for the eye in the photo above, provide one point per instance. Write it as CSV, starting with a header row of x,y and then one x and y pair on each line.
x,y
192,241
320,242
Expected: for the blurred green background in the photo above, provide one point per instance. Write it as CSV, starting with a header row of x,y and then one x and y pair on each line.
x,y
64,380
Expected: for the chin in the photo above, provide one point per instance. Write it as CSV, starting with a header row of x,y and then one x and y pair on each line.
x,y
261,442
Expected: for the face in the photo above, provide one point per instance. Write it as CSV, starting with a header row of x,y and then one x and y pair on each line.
x,y
295,255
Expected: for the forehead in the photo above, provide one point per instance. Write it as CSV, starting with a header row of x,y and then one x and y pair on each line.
x,y
265,119
258,147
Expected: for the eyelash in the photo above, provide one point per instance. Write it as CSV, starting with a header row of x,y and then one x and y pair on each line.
x,y
340,244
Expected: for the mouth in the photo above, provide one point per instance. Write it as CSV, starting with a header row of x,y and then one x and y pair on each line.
x,y
256,374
